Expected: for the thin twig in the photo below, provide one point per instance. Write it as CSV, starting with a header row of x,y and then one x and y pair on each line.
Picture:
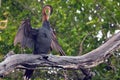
x,y
81,44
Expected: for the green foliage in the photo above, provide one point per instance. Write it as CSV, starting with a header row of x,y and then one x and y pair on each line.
x,y
81,26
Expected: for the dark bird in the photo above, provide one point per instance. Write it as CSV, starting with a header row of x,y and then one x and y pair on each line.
x,y
41,40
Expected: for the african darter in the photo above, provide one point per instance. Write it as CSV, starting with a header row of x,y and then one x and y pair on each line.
x,y
41,40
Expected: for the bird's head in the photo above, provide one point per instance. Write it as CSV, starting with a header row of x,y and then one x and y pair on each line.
x,y
46,12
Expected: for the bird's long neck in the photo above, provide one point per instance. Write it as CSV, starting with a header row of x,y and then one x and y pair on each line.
x,y
46,24
45,16
47,10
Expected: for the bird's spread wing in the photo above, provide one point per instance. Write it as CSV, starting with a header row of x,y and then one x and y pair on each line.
x,y
55,45
25,35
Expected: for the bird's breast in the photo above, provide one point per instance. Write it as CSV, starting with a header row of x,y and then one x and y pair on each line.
x,y
43,41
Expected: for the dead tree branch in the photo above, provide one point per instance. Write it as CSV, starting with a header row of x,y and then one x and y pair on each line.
x,y
88,60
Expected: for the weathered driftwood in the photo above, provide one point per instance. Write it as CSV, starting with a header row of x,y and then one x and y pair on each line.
x,y
88,60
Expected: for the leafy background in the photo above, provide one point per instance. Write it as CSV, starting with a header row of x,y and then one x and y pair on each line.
x,y
81,26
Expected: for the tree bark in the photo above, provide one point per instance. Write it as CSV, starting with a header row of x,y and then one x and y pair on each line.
x,y
87,60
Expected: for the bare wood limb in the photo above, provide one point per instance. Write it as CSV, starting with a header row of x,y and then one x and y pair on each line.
x,y
88,60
